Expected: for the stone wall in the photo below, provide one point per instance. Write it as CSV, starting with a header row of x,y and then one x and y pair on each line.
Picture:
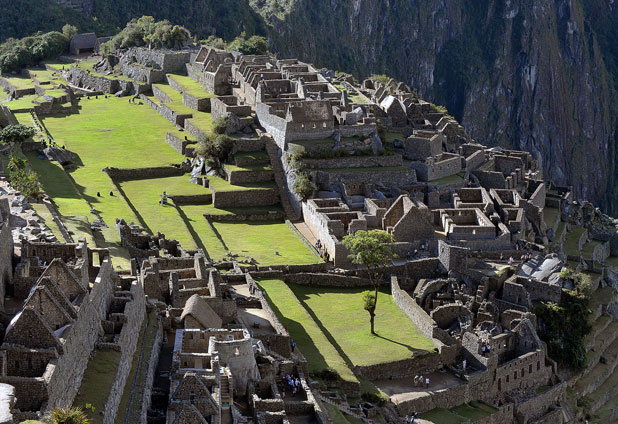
x,y
153,361
134,312
178,144
141,73
419,317
421,363
63,377
237,199
437,167
168,61
327,280
539,405
354,162
6,251
118,174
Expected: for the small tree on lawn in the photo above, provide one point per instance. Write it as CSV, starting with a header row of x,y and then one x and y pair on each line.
x,y
371,249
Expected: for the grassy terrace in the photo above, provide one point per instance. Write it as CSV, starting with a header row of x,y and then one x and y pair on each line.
x,y
219,184
23,103
97,382
20,82
312,342
572,239
144,196
551,215
398,338
191,86
202,121
252,156
268,242
451,179
103,133
588,249
467,412
176,104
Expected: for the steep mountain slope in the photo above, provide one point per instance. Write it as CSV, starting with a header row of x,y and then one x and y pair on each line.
x,y
539,75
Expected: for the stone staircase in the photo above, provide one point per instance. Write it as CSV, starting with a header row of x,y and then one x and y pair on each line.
x,y
343,408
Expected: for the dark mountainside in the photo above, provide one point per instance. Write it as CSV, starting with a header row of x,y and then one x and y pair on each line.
x,y
537,75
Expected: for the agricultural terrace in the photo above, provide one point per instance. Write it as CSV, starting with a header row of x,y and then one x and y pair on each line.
x,y
111,132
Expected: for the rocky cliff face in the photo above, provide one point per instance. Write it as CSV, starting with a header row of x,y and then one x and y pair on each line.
x,y
536,75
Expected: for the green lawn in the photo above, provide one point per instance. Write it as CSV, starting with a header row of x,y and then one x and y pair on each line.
x,y
571,242
97,382
23,103
193,217
191,86
20,82
397,337
219,184
144,196
263,240
551,215
311,341
104,132
203,122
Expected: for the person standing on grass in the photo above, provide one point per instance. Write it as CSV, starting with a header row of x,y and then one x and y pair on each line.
x,y
163,200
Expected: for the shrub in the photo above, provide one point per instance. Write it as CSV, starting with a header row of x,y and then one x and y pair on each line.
x,y
215,149
215,42
28,51
303,186
25,180
253,45
67,415
219,125
17,133
69,31
145,31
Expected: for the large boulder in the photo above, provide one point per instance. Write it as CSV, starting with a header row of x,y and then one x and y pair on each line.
x,y
62,156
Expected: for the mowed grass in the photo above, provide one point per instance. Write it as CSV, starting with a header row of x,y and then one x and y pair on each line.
x,y
144,197
311,341
268,242
193,217
191,86
397,337
104,133
97,382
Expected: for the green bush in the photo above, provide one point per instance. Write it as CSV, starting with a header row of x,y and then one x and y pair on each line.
x,y
17,133
303,186
215,149
564,326
219,125
67,415
254,45
28,51
145,31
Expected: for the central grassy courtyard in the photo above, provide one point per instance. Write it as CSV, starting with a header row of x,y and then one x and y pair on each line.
x,y
111,132
331,327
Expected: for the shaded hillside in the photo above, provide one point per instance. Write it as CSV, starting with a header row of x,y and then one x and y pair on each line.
x,y
538,75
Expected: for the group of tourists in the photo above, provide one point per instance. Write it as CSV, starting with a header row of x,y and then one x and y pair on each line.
x,y
322,251
419,380
292,384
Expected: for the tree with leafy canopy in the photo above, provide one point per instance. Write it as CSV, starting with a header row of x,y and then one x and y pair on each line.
x,y
256,44
69,31
15,134
371,249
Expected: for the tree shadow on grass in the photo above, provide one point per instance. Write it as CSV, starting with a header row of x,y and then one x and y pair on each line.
x,y
316,360
302,293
